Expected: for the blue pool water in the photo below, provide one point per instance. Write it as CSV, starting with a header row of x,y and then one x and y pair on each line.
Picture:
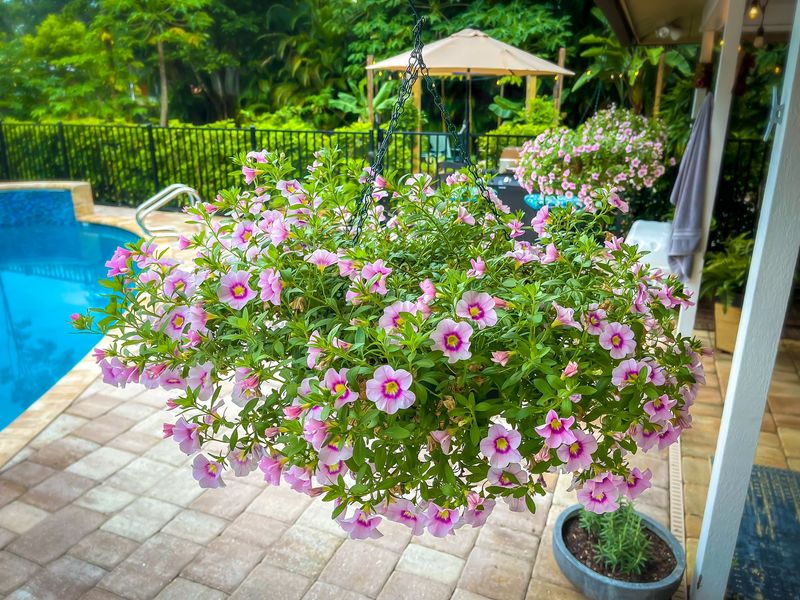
x,y
47,272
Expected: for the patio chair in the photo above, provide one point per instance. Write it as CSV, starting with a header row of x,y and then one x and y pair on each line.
x,y
438,146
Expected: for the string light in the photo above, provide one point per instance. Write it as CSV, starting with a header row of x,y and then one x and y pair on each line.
x,y
754,11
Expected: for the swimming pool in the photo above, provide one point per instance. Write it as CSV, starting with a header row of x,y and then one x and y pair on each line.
x,y
47,272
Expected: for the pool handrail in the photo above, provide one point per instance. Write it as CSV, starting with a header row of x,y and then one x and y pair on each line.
x,y
158,200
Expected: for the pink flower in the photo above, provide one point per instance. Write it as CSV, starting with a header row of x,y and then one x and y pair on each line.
x,y
516,229
428,291
271,287
378,272
464,216
245,386
278,231
314,351
618,339
234,289
199,379
635,483
595,319
208,474
389,389
500,446
616,201
392,319
328,474
660,409
478,306
179,282
555,430
299,479
322,258
243,461
118,264
336,383
452,339
186,435
291,190
167,430
564,317
242,233
478,269
362,526
570,370
500,357
550,254
478,509
614,243
441,520
668,434
539,222
644,439
175,321
598,497
578,454
523,253
315,432
443,438
271,467
624,373
332,453
510,476
403,511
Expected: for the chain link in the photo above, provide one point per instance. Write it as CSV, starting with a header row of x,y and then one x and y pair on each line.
x,y
416,66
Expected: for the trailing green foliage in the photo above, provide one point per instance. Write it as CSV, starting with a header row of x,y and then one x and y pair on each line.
x,y
622,544
725,271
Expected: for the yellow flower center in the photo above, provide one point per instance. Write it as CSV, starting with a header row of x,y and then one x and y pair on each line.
x,y
616,340
452,341
555,424
213,468
238,290
178,321
574,448
444,514
501,443
474,311
392,388
340,388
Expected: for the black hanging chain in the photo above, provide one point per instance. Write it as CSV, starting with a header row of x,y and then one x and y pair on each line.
x,y
416,65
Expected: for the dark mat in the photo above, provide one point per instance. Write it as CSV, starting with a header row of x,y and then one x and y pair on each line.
x,y
766,562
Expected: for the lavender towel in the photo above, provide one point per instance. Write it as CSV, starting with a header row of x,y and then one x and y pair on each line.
x,y
688,195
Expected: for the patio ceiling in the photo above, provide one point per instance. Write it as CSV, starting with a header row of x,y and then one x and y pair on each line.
x,y
674,22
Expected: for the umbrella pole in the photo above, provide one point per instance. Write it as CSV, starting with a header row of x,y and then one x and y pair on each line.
x,y
469,100
370,92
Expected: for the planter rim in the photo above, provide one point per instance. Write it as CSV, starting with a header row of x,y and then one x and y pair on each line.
x,y
677,551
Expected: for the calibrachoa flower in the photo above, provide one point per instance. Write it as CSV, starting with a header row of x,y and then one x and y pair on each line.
x,y
389,389
452,339
279,340
500,446
234,289
635,482
479,307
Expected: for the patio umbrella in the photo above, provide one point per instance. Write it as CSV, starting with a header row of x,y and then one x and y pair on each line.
x,y
471,52
688,195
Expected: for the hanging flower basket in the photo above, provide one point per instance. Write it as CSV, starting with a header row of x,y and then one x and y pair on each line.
x,y
435,367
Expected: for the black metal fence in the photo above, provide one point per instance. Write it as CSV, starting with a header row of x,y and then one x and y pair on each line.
x,y
126,164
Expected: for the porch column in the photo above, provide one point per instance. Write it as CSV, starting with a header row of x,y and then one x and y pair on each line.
x,y
723,90
768,288
705,57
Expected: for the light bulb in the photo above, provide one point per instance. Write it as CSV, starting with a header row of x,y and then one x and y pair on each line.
x,y
758,41
754,11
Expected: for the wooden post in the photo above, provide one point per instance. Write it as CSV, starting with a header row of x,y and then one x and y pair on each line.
x,y
531,83
370,92
659,84
769,284
562,59
469,101
705,57
417,93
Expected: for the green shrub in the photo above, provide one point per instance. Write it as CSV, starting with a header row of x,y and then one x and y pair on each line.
x,y
725,271
622,545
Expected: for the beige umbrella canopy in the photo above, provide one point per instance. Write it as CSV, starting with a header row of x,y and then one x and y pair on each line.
x,y
473,52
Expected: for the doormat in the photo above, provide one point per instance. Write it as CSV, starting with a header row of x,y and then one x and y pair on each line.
x,y
766,562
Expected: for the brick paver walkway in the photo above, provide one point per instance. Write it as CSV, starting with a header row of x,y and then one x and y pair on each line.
x,y
98,506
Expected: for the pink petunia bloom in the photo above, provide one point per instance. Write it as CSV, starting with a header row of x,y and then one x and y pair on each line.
x,y
478,510
403,511
332,453
179,282
336,383
441,521
175,321
271,286
478,269
570,370
443,438
614,243
550,255
271,466
207,473
501,357
595,319
378,272
328,474
626,371
556,431
645,439
314,351
598,498
428,291
479,307
523,253
564,317
464,216
118,264
618,339
299,479
668,435
243,461
186,435
516,229
242,233
540,221
362,525
315,432
510,476
389,389
322,258
452,339
245,386
578,455
249,174
199,379
392,314
617,202
635,483
234,289
291,190
167,429
500,446
660,409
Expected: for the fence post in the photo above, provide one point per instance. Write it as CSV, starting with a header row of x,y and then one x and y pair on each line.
x,y
63,143
371,152
4,153
153,164
253,138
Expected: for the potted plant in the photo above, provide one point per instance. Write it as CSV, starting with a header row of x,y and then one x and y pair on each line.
x,y
400,352
621,555
724,280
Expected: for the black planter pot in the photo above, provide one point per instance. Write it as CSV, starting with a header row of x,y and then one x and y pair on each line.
x,y
599,587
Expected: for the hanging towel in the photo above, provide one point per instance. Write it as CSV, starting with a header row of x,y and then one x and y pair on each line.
x,y
688,195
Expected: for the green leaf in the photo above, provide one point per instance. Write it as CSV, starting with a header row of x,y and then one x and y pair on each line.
x,y
398,432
